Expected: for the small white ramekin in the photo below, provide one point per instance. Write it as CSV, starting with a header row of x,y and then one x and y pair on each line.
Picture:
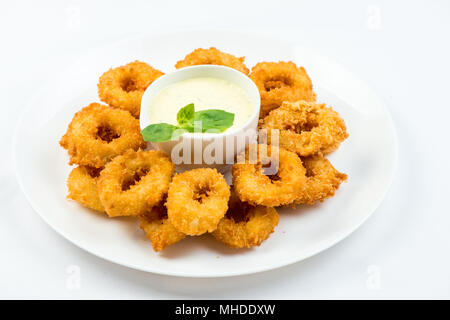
x,y
232,141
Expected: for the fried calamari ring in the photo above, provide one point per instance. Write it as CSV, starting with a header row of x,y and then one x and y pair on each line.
x,y
281,81
244,225
197,200
257,187
123,87
98,133
213,56
306,128
158,229
322,180
82,185
133,183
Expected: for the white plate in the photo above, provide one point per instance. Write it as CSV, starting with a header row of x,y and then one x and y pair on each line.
x,y
368,156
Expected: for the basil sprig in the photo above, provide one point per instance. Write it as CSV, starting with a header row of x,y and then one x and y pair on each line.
x,y
213,120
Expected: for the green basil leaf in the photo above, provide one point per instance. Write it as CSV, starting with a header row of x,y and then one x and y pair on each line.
x,y
161,132
214,119
185,116
188,127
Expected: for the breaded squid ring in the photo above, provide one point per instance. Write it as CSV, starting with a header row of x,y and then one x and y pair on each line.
x,y
133,183
252,185
322,180
213,56
82,185
98,133
197,200
245,226
158,229
306,128
123,87
281,81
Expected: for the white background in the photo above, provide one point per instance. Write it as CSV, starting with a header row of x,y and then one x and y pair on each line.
x,y
400,48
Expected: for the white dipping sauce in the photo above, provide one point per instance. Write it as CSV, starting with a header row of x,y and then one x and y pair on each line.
x,y
204,93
